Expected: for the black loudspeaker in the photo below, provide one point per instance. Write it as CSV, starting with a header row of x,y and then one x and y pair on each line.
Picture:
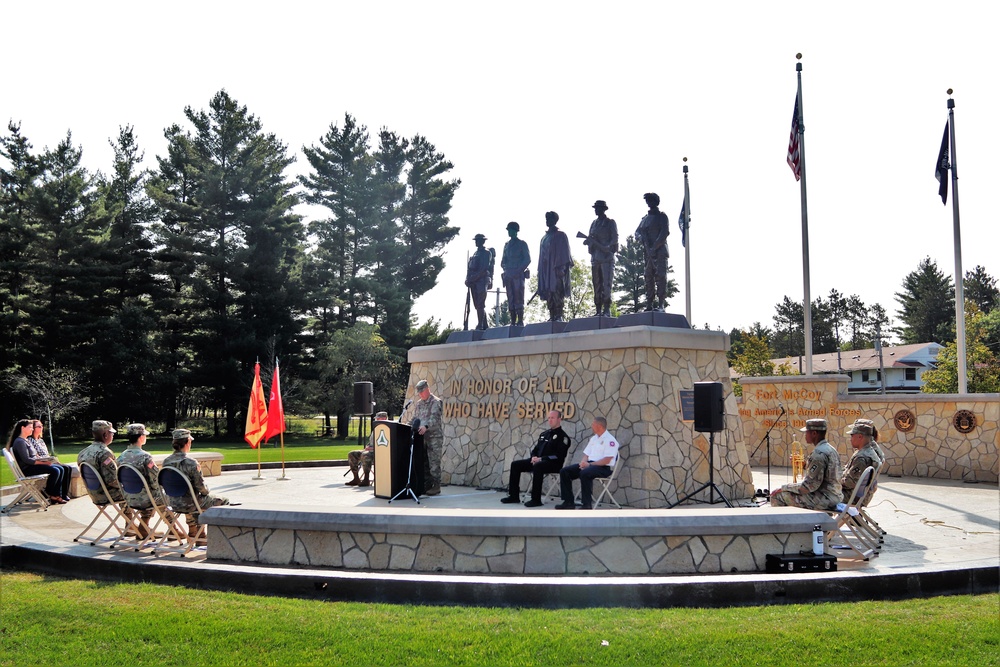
x,y
709,409
363,398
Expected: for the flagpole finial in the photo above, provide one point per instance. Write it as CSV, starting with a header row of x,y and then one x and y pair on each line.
x,y
798,56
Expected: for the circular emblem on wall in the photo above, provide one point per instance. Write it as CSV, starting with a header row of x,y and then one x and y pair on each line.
x,y
904,421
964,421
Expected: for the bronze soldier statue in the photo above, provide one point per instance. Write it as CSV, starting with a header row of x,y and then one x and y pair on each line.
x,y
652,233
479,278
554,265
515,261
603,244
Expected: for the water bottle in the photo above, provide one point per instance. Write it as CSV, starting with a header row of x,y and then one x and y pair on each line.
x,y
817,541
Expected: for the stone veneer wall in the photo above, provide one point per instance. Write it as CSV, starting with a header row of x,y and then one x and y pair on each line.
x,y
503,541
474,554
632,376
933,448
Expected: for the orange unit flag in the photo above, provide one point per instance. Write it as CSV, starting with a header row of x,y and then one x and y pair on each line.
x,y
275,411
256,412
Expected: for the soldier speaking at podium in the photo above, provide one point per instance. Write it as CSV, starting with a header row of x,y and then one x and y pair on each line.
x,y
429,410
548,455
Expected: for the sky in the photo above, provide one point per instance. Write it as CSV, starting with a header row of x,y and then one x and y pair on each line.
x,y
552,105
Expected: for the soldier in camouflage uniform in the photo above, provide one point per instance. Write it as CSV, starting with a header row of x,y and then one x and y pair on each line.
x,y
135,456
191,469
864,455
820,487
428,409
364,457
99,455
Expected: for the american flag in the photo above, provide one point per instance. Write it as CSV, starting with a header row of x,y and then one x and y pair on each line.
x,y
794,159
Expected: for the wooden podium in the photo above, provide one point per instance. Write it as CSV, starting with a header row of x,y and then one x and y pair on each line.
x,y
392,459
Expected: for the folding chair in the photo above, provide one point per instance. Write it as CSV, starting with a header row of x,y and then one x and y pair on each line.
x,y
606,482
30,489
133,482
849,536
863,522
176,485
92,478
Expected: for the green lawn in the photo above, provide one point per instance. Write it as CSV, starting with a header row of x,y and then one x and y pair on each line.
x,y
54,621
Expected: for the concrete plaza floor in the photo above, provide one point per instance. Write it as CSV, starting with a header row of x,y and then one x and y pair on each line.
x,y
943,537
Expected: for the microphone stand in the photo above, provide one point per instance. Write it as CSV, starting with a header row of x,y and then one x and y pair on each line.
x,y
408,489
767,438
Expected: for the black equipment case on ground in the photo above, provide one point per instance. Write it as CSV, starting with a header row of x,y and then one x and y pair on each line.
x,y
799,563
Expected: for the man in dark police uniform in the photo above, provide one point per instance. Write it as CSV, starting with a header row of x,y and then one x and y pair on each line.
x,y
547,456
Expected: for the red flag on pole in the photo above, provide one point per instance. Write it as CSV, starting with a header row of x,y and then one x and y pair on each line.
x,y
256,412
275,411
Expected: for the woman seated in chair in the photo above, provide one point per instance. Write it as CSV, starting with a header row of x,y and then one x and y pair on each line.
x,y
57,485
191,469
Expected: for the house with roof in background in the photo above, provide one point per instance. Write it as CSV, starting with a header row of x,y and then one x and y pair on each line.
x,y
901,365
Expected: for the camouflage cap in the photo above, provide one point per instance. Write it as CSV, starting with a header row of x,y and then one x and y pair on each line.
x,y
136,429
479,237
859,427
601,204
814,425
101,426
181,434
422,385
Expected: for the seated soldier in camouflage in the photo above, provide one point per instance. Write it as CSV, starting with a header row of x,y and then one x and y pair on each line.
x,y
191,469
820,487
135,456
99,455
864,455
365,457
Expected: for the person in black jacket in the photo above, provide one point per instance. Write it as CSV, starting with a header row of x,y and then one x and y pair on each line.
x,y
547,456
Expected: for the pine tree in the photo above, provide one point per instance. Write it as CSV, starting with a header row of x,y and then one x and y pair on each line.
x,y
629,282
227,218
927,305
19,172
981,289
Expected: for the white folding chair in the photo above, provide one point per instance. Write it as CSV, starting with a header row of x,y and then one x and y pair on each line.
x,y
846,535
175,484
606,483
30,489
92,478
133,482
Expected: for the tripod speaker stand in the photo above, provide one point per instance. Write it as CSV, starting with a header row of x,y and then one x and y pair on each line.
x,y
709,417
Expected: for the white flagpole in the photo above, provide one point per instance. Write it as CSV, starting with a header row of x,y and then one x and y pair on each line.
x,y
959,276
806,300
687,247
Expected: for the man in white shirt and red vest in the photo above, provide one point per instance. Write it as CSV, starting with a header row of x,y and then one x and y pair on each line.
x,y
599,458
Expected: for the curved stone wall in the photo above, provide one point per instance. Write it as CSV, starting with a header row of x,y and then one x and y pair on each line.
x,y
918,432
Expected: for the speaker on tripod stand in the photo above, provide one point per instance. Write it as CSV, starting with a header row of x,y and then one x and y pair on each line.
x,y
364,407
709,417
